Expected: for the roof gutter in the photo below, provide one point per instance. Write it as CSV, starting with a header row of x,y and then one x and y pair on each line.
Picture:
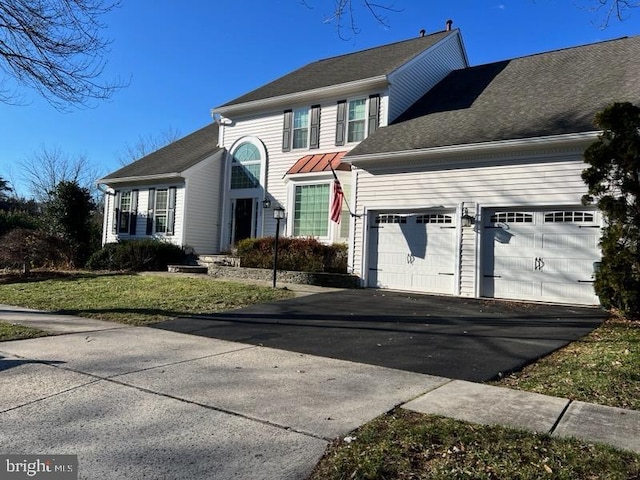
x,y
483,148
307,95
140,178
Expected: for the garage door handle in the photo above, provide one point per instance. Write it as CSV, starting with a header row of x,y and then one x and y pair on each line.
x,y
450,274
585,281
588,226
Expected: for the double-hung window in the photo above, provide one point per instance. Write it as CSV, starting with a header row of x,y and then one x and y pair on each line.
x,y
356,120
300,128
161,211
126,206
160,214
311,210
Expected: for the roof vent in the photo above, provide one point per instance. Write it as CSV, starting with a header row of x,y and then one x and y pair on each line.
x,y
422,32
449,23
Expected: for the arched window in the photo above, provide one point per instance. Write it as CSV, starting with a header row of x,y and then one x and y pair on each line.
x,y
245,166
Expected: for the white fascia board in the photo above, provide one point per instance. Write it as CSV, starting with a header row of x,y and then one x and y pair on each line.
x,y
573,140
309,96
141,178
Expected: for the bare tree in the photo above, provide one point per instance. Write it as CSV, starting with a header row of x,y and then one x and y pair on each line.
x,y
55,47
145,144
344,13
44,169
615,9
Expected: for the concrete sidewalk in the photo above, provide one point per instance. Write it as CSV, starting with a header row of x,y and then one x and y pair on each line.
x,y
137,402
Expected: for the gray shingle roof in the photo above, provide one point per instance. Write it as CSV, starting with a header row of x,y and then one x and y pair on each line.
x,y
175,157
546,94
361,65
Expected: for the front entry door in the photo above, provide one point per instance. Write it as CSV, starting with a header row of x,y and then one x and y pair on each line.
x,y
242,219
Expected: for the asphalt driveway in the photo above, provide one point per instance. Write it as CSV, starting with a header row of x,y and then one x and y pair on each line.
x,y
466,339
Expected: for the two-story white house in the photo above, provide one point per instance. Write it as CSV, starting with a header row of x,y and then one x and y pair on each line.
x,y
459,180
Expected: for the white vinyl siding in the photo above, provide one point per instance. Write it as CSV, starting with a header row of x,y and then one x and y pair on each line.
x,y
410,82
268,128
203,204
552,181
143,198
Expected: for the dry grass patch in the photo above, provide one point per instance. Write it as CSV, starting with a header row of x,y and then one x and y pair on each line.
x,y
600,368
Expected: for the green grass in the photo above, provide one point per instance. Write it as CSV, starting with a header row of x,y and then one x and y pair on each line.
x,y
602,368
133,299
411,446
11,331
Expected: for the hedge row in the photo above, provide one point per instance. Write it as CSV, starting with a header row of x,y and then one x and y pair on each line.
x,y
297,254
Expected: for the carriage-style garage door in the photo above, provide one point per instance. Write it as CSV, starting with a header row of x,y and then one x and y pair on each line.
x,y
545,255
413,252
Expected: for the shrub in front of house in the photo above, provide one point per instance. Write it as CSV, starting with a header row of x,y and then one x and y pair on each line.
x,y
26,248
12,219
137,256
296,254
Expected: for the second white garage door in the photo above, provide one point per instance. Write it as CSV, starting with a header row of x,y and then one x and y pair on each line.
x,y
413,252
545,255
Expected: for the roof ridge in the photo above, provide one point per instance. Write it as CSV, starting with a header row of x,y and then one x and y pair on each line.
x,y
557,50
413,39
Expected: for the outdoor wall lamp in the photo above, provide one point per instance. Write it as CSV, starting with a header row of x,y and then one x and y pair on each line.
x,y
278,214
466,219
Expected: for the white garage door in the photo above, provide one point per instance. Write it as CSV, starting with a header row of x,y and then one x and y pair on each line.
x,y
541,255
413,252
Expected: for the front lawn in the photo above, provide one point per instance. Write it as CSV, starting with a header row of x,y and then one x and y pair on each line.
x,y
411,446
11,331
602,367
133,299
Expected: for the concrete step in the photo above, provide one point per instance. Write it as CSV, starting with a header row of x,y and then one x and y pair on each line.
x,y
187,269
219,260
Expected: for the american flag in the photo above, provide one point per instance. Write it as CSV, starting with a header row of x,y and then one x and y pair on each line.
x,y
336,201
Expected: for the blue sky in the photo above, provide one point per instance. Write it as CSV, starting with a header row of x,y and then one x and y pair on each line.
x,y
184,57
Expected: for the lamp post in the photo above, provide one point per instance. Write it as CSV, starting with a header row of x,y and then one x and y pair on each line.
x,y
278,214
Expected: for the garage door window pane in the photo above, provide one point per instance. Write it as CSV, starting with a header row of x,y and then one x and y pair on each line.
x,y
568,217
391,219
511,217
311,214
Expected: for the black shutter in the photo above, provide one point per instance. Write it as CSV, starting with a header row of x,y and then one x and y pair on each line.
x,y
314,142
116,211
150,207
171,211
286,130
341,123
374,113
133,216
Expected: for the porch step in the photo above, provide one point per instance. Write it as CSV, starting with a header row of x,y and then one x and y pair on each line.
x,y
187,269
218,260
